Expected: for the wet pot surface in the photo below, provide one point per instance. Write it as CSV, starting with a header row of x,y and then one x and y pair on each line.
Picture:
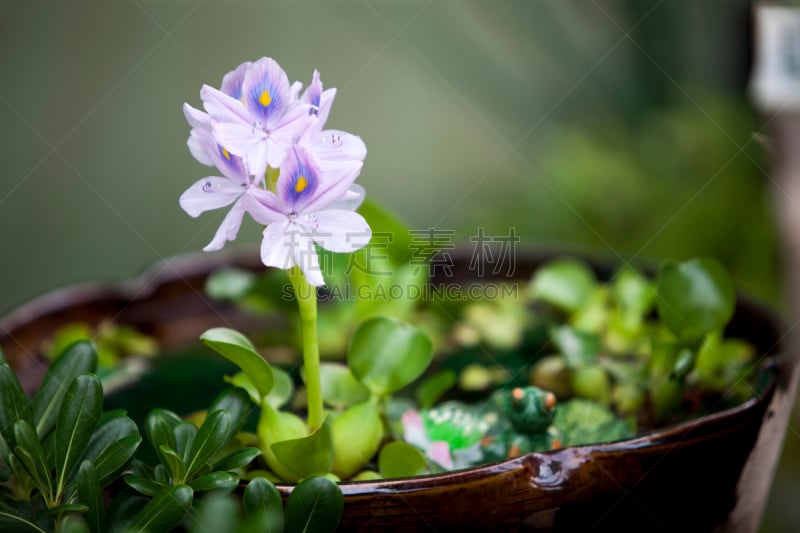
x,y
716,469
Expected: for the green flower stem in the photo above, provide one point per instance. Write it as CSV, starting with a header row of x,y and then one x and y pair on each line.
x,y
306,295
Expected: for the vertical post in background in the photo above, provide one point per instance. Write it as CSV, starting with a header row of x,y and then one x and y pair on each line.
x,y
775,87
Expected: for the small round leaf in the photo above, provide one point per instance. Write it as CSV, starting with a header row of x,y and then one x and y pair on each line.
x,y
386,355
695,297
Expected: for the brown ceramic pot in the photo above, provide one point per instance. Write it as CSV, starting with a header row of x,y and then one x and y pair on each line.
x,y
712,473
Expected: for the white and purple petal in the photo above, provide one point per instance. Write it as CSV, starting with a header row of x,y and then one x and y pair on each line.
x,y
228,229
266,92
223,108
212,192
338,230
233,80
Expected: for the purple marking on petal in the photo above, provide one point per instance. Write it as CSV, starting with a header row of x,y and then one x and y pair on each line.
x,y
302,183
232,82
313,94
233,163
266,91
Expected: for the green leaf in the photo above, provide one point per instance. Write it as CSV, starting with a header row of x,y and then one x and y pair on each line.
x,y
222,481
236,402
237,459
315,505
695,297
174,463
309,455
382,221
357,434
77,419
123,510
91,495
579,348
262,499
145,486
113,460
165,511
563,283
400,459
211,437
73,523
112,445
78,359
13,523
36,460
67,508
217,513
339,388
275,426
634,295
159,426
433,387
184,433
13,405
386,355
235,347
282,388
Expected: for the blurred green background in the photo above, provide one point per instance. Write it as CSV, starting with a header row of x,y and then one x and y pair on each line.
x,y
618,127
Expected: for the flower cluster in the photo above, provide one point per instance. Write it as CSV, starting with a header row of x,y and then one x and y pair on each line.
x,y
279,165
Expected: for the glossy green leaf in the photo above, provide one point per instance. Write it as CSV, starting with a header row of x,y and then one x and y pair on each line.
x,y
79,358
579,348
12,522
184,434
240,351
222,481
67,508
145,486
282,388
91,495
339,388
159,426
357,434
165,511
113,460
123,510
695,297
237,459
261,499
211,437
400,459
381,221
315,505
307,456
112,445
275,426
35,459
237,403
175,464
13,405
73,523
433,387
563,283
386,355
77,418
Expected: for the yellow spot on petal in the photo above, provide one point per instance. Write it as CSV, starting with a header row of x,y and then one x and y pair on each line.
x,y
226,154
265,98
300,184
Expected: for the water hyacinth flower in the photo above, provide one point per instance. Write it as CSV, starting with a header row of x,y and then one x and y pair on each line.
x,y
256,121
312,206
264,121
235,187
